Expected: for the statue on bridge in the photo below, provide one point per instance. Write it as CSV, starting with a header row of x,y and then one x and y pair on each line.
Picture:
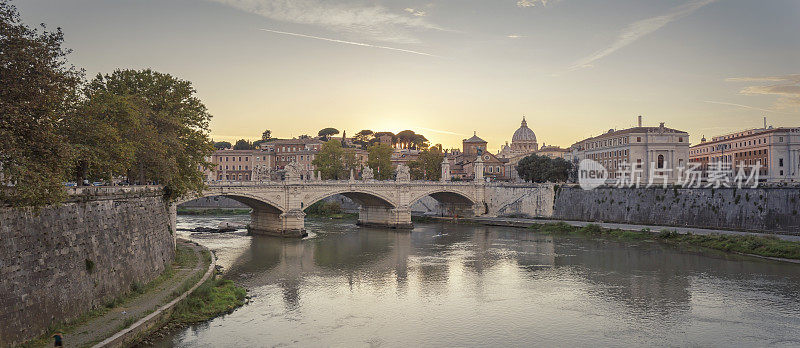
x,y
367,174
403,173
292,171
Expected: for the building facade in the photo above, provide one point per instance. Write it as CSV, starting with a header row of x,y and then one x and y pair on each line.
x,y
775,152
463,163
651,153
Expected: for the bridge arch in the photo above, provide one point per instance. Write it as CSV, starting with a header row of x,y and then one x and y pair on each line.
x,y
250,200
364,198
451,201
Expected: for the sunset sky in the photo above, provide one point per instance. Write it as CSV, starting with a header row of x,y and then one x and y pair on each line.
x,y
574,68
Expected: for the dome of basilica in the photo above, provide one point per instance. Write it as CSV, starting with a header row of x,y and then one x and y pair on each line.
x,y
523,134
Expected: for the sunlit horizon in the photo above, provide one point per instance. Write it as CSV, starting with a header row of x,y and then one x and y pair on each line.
x,y
573,68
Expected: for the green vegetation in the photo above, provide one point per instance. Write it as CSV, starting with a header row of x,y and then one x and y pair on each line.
x,y
243,144
37,89
213,298
744,244
334,161
143,125
331,210
380,160
327,133
545,169
428,165
212,211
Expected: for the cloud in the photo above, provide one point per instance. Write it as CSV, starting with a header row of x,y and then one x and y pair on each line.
x,y
786,88
418,13
514,36
373,22
350,42
638,29
532,3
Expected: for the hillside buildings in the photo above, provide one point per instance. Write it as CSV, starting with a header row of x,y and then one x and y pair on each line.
x,y
652,152
775,152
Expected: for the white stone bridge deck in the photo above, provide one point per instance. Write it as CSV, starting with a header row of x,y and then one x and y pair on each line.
x,y
278,205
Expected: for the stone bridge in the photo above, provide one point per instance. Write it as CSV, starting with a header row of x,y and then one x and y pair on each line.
x,y
277,207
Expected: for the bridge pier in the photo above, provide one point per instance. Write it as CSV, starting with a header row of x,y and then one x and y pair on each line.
x,y
380,216
290,224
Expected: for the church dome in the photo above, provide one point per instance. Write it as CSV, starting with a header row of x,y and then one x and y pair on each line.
x,y
524,134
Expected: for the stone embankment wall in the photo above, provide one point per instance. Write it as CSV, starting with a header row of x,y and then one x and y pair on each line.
x,y
214,202
60,262
770,209
524,200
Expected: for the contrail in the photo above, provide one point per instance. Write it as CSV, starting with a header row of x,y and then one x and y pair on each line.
x,y
743,106
640,28
350,42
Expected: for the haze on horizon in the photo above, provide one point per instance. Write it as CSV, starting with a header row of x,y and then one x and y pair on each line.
x,y
574,68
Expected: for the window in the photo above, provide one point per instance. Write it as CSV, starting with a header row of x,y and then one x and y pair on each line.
x,y
660,163
638,139
780,163
780,139
680,139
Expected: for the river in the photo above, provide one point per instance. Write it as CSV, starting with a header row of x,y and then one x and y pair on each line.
x,y
472,285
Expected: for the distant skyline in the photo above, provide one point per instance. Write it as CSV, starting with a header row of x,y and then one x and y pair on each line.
x,y
574,68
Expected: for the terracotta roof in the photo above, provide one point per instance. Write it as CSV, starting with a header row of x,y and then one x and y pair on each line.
x,y
475,139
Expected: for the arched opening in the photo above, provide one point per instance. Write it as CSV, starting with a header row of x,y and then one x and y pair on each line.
x,y
265,217
372,208
660,164
444,203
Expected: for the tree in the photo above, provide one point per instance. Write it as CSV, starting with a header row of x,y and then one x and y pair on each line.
x,y
243,144
428,166
37,89
327,133
380,160
363,138
544,169
221,145
329,160
102,136
267,135
172,142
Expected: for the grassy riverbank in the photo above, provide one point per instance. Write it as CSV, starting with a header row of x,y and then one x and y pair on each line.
x,y
212,211
745,244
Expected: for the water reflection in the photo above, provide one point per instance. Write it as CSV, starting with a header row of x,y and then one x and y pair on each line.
x,y
467,285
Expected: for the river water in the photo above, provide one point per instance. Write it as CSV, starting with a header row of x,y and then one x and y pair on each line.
x,y
471,285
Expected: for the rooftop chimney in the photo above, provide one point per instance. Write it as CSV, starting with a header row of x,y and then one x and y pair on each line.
x,y
765,122
640,120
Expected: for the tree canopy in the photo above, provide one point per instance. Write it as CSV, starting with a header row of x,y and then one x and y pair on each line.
x,y
544,169
243,144
222,145
38,88
428,165
380,160
172,141
327,133
329,161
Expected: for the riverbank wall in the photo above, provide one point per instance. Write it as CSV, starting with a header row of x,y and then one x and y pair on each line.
x,y
62,261
766,209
